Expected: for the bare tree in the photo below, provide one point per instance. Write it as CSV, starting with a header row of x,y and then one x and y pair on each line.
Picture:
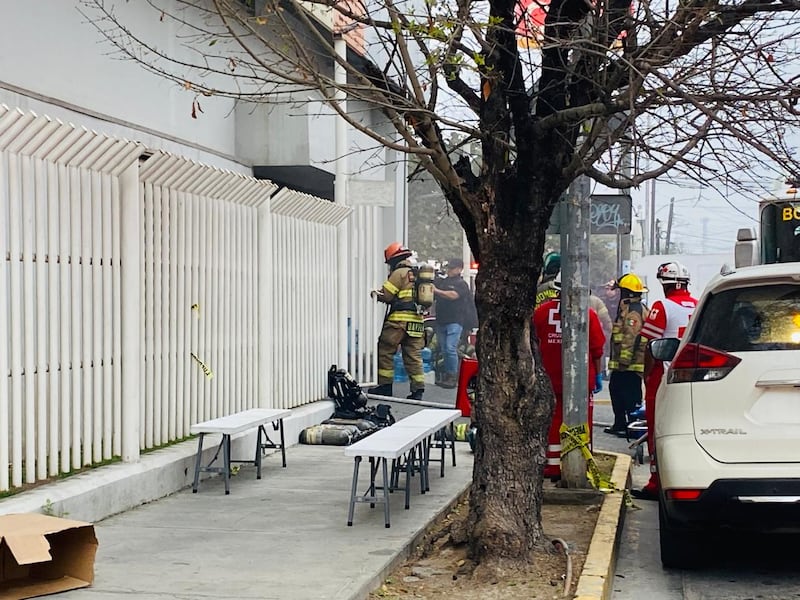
x,y
701,88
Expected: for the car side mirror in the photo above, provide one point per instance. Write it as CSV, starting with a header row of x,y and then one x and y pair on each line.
x,y
663,349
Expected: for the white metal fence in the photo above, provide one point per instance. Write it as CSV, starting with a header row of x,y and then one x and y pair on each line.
x,y
59,295
140,294
367,272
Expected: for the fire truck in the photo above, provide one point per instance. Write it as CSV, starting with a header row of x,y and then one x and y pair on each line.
x,y
779,238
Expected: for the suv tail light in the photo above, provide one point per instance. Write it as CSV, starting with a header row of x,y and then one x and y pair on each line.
x,y
700,363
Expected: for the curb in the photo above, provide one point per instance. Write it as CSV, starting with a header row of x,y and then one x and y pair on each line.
x,y
363,592
597,576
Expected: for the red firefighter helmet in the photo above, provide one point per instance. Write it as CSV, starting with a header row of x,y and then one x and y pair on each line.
x,y
395,250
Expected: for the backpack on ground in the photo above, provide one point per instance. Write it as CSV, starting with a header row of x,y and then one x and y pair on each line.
x,y
350,401
348,397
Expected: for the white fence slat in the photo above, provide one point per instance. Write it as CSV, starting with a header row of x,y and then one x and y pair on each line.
x,y
241,371
216,294
251,291
279,314
96,316
182,317
172,318
237,307
65,316
42,325
248,216
166,326
194,372
54,312
234,317
131,240
85,254
16,318
227,333
142,315
146,418
158,325
5,378
116,309
203,312
108,321
28,201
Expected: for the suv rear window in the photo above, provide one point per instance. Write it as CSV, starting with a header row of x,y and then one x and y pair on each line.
x,y
765,317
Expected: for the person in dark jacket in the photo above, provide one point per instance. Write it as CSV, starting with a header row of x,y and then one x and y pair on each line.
x,y
451,293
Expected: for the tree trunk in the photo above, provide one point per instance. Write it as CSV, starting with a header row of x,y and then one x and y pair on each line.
x,y
513,407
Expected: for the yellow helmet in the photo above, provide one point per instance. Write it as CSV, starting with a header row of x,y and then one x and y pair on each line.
x,y
632,283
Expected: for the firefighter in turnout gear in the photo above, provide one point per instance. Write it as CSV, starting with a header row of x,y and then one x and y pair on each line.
x,y
626,363
403,325
667,318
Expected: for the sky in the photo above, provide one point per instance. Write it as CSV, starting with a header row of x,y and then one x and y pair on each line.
x,y
704,220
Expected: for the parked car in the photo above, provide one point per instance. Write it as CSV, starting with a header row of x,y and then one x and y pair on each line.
x,y
727,424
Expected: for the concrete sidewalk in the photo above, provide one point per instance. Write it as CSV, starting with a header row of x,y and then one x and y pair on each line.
x,y
283,537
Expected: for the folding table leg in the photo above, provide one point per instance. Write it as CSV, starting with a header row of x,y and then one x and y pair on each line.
x,y
452,444
409,473
258,454
197,463
394,481
226,457
385,494
444,447
423,484
373,469
353,491
283,446
426,449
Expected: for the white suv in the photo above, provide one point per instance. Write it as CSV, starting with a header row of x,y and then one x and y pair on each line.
x,y
728,413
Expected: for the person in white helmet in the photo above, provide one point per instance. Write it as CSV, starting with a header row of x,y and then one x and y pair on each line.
x,y
667,318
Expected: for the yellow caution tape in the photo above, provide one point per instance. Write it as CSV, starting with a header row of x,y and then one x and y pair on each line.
x,y
206,370
578,437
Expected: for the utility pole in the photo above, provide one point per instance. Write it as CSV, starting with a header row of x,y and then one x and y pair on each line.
x,y
658,236
624,241
669,223
653,234
575,325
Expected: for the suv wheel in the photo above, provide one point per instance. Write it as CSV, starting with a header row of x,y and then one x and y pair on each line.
x,y
680,548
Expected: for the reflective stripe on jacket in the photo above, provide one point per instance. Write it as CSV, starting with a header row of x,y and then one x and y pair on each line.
x,y
627,347
399,292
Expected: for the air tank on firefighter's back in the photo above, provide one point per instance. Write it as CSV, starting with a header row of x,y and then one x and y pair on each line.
x,y
426,275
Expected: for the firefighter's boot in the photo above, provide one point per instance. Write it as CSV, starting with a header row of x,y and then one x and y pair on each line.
x,y
416,394
381,390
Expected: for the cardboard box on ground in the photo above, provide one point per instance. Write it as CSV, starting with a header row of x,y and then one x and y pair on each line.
x,y
42,555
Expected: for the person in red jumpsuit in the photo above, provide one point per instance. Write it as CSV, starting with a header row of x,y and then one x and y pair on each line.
x,y
547,328
667,318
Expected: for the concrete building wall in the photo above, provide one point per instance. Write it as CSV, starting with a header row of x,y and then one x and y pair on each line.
x,y
50,54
